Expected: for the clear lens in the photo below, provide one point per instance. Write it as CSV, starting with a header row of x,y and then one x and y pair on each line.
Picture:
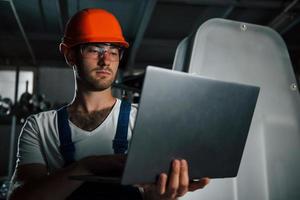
x,y
94,51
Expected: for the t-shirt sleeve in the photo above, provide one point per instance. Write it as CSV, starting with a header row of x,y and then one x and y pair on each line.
x,y
29,145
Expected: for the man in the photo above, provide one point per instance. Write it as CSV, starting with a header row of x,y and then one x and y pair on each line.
x,y
77,139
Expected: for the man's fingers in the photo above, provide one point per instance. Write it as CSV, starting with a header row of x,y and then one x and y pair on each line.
x,y
162,182
198,184
177,183
183,178
173,182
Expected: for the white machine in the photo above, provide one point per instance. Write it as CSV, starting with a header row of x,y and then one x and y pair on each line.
x,y
256,55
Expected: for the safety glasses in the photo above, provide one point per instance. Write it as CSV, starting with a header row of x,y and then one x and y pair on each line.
x,y
99,50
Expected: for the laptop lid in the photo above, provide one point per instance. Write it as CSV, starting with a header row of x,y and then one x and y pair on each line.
x,y
186,116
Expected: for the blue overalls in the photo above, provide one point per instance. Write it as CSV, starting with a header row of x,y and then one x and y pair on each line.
x,y
119,144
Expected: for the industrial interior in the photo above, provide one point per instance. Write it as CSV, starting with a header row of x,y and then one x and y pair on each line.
x,y
34,76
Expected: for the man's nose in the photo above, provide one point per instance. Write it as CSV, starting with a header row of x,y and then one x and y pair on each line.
x,y
104,59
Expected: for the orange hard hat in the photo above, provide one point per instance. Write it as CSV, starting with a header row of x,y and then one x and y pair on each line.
x,y
92,25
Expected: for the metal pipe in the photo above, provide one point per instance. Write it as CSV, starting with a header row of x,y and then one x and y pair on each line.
x,y
13,128
278,20
228,12
12,146
17,84
290,6
22,31
290,26
42,14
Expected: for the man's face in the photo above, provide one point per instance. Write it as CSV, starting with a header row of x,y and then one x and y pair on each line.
x,y
97,66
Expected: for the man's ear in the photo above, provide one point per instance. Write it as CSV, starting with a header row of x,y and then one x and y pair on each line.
x,y
70,57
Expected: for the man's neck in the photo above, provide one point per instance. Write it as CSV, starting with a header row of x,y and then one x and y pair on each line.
x,y
90,108
91,101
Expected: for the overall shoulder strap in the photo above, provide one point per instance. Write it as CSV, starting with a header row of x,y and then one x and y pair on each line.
x,y
120,143
67,147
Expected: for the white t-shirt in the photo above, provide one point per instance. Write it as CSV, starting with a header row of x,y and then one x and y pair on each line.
x,y
39,138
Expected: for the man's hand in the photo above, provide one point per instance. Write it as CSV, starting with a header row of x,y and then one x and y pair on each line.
x,y
104,165
176,185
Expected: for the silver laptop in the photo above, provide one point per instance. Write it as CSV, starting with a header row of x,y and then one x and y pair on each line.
x,y
181,115
185,116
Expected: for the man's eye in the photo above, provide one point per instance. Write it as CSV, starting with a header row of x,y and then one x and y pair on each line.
x,y
93,49
114,53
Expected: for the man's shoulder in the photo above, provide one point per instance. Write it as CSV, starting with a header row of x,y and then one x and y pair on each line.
x,y
37,123
43,116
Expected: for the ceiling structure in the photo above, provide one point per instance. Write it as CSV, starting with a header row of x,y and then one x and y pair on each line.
x,y
31,30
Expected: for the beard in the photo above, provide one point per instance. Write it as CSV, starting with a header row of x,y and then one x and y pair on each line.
x,y
94,83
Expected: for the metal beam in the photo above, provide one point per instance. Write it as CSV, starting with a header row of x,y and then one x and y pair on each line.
x,y
280,19
33,37
228,11
263,4
78,5
22,31
290,26
62,7
41,8
12,144
148,10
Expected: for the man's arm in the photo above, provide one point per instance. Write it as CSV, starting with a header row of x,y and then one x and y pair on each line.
x,y
32,181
